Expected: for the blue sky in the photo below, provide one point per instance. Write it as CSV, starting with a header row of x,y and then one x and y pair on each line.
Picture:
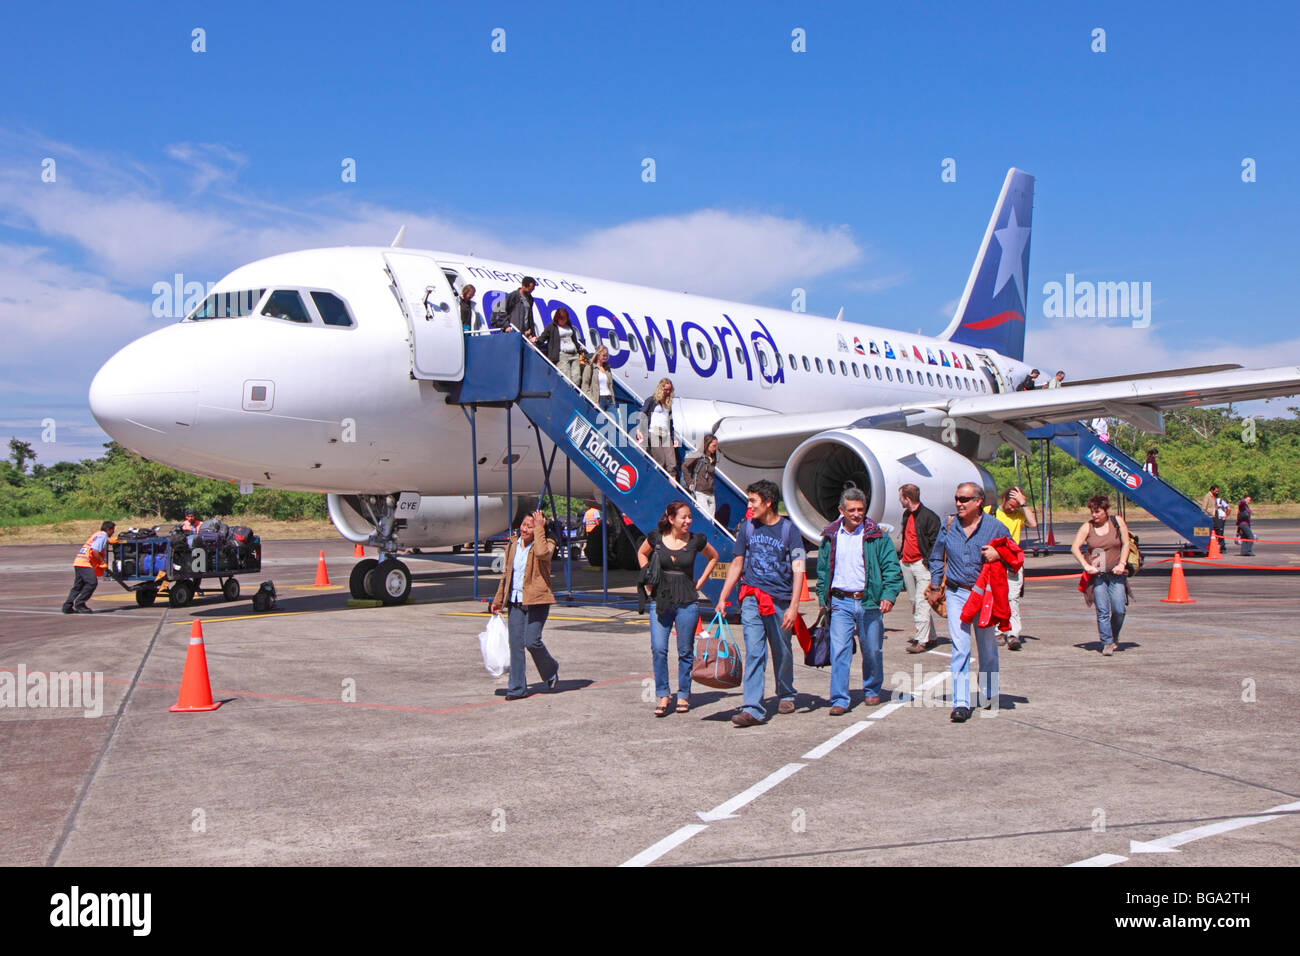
x,y
775,169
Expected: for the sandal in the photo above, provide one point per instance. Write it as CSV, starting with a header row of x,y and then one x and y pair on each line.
x,y
662,709
683,706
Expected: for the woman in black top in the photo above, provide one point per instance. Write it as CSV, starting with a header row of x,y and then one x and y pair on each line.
x,y
675,599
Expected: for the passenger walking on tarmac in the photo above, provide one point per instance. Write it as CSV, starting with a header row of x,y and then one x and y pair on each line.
x,y
88,568
858,580
1217,510
468,314
1101,548
920,528
1016,514
699,469
676,598
562,345
597,380
525,592
963,546
660,437
769,563
519,308
1244,533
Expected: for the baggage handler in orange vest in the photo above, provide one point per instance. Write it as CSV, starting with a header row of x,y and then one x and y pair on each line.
x,y
88,567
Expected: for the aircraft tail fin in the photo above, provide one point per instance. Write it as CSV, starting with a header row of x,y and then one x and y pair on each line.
x,y
991,313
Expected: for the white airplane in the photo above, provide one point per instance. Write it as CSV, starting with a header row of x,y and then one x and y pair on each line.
x,y
326,370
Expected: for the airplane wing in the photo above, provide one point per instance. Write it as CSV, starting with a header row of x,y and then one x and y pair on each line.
x,y
766,440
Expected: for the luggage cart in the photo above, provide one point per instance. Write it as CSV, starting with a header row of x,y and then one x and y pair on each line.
x,y
154,566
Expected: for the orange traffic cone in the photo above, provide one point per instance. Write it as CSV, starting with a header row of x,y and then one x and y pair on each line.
x,y
1051,538
322,576
196,690
1178,584
699,626
1213,551
358,552
804,595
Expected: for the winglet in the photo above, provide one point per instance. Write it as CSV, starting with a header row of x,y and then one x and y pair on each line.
x,y
399,238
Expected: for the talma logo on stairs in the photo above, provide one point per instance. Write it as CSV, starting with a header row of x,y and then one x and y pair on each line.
x,y
1101,459
598,450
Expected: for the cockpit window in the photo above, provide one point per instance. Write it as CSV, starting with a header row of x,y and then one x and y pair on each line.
x,y
286,304
332,309
227,305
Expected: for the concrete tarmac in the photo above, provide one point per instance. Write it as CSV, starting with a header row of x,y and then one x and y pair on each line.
x,y
375,736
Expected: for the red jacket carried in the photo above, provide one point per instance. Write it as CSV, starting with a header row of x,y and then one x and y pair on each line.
x,y
988,602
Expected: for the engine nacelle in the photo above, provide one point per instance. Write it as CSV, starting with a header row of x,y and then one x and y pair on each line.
x,y
440,520
878,462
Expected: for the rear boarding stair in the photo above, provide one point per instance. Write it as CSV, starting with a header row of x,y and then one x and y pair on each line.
x,y
1162,500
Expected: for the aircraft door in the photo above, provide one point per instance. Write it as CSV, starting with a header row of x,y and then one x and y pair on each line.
x,y
994,374
437,345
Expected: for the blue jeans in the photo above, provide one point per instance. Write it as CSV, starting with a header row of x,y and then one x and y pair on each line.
x,y
846,615
959,633
685,619
525,624
1108,596
606,402
760,633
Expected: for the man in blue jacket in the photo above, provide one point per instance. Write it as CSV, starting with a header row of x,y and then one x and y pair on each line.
x,y
858,578
959,552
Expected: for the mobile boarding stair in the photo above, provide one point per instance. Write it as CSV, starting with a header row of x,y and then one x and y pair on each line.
x,y
505,369
1161,499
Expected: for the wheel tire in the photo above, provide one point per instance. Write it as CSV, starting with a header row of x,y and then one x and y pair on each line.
x,y
180,593
146,596
230,590
390,582
457,548
357,579
487,548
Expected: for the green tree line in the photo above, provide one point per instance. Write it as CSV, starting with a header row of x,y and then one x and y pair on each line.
x,y
123,484
1201,446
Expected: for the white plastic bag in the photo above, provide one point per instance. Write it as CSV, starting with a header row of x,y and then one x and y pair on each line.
x,y
494,641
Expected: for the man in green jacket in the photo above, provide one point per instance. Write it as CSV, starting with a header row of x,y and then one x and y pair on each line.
x,y
859,588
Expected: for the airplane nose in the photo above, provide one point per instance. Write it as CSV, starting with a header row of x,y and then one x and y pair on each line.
x,y
141,397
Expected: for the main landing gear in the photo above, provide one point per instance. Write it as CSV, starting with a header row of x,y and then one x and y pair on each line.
x,y
386,579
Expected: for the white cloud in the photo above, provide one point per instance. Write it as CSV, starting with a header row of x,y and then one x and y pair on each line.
x,y
210,162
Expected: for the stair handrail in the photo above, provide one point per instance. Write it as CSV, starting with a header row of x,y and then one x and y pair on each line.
x,y
619,428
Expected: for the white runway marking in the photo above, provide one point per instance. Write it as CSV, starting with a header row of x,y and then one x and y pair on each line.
x,y
1105,859
821,750
940,653
724,811
648,856
1170,844
19,610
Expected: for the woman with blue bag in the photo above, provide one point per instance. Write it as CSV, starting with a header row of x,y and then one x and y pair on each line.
x,y
675,598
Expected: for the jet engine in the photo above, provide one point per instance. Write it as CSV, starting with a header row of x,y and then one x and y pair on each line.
x,y
440,520
877,462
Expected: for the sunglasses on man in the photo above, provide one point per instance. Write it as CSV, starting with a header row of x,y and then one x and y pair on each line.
x,y
963,499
